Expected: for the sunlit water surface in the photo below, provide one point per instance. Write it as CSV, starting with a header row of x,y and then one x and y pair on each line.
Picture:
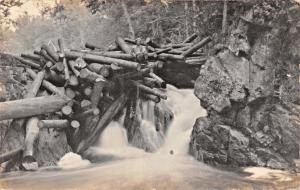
x,y
121,166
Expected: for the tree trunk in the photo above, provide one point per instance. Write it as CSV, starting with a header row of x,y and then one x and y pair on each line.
x,y
224,21
196,47
31,106
126,14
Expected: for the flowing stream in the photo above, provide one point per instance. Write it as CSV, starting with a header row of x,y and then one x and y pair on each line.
x,y
121,166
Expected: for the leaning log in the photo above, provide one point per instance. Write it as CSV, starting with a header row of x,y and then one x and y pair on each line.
x,y
50,52
149,90
190,38
10,155
97,93
32,132
31,106
197,46
35,86
107,117
123,45
102,59
64,60
55,123
166,56
46,56
29,63
159,80
46,84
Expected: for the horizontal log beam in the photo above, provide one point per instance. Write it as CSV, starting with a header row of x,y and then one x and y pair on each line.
x,y
197,46
31,106
102,59
55,123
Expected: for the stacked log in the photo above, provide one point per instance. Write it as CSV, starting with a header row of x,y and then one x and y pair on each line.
x,y
72,85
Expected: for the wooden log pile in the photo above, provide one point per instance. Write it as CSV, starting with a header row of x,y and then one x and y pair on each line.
x,y
71,86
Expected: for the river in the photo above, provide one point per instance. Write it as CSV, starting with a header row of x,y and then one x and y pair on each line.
x,y
121,166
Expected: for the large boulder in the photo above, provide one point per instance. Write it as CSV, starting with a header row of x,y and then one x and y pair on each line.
x,y
251,99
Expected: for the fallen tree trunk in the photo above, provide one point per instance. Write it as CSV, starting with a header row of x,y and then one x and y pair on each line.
x,y
123,45
62,51
190,38
103,70
56,123
197,46
46,84
32,132
102,59
91,76
50,52
31,106
116,55
106,118
29,63
149,90
159,80
30,56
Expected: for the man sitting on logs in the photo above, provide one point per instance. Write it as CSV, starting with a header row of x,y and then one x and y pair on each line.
x,y
140,52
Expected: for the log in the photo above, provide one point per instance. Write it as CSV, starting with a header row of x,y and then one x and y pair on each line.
x,y
113,47
123,45
55,123
92,46
97,93
196,61
197,46
165,50
177,45
87,113
10,155
46,84
190,38
113,54
30,56
166,56
72,65
46,56
102,59
151,43
48,65
107,117
75,124
70,93
134,75
84,104
54,77
64,61
73,81
150,82
29,163
31,106
36,84
91,76
151,97
66,110
29,63
50,52
103,70
80,63
159,80
58,67
149,90
87,91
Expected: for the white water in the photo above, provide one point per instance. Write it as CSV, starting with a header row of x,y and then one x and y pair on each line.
x,y
131,168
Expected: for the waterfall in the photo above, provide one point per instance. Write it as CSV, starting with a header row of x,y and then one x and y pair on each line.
x,y
186,108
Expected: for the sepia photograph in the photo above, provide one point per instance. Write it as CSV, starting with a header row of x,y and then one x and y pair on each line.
x,y
149,95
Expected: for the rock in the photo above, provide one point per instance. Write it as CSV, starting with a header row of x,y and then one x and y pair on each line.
x,y
250,99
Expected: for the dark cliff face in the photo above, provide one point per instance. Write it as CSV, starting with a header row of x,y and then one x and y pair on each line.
x,y
252,101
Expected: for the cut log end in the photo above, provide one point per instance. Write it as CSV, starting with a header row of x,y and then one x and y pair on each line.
x,y
29,163
75,124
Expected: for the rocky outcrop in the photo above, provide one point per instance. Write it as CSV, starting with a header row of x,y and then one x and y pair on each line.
x,y
251,99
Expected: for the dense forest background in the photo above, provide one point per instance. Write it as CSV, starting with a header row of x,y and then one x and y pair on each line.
x,y
100,21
